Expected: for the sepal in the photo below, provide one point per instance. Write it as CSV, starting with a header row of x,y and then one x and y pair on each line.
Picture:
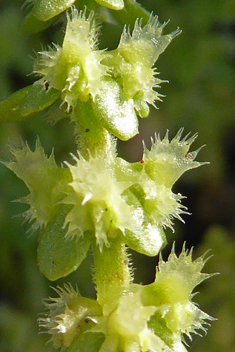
x,y
167,160
177,277
46,182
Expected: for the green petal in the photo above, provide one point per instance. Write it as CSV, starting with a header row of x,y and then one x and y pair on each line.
x,y
44,10
112,4
37,99
58,256
116,114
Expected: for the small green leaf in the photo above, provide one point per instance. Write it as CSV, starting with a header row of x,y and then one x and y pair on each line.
x,y
112,4
37,99
87,342
58,256
10,110
25,102
44,10
31,24
115,113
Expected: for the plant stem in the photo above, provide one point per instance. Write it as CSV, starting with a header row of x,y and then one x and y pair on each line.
x,y
91,137
112,272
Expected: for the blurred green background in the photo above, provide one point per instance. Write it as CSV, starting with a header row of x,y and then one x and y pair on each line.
x,y
200,66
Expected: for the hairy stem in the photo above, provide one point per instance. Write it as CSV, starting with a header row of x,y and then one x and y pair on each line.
x,y
112,272
91,137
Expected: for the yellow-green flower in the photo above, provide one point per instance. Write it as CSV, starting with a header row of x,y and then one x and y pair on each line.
x,y
67,315
75,69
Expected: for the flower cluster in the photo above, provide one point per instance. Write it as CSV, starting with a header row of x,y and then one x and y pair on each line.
x,y
109,196
152,318
134,198
118,82
113,84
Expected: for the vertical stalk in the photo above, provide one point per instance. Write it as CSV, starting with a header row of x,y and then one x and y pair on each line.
x,y
112,272
91,137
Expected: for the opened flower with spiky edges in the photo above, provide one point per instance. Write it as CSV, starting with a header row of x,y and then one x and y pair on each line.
x,y
46,181
118,82
75,69
98,205
67,315
172,293
168,160
134,59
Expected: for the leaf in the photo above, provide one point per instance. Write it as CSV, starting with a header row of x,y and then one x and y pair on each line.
x,y
44,10
58,256
112,4
87,342
10,110
25,102
37,99
31,24
114,113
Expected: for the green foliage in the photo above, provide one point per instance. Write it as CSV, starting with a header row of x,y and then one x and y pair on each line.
x,y
58,257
